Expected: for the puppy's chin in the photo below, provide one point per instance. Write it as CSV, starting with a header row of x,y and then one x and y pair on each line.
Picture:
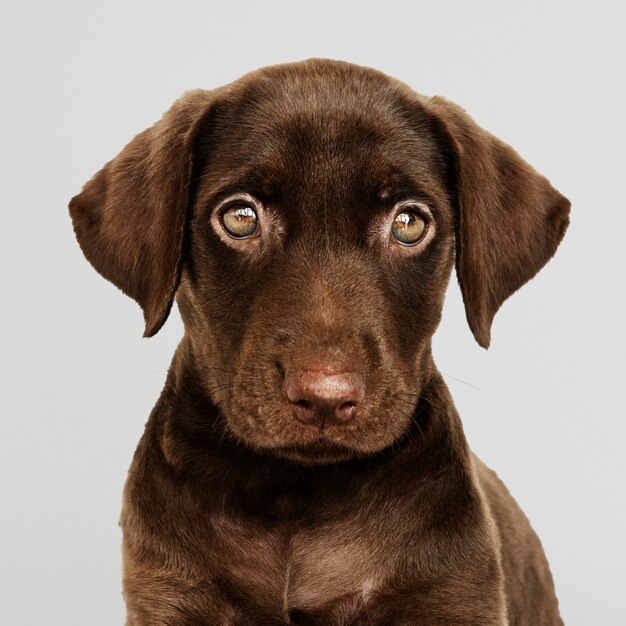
x,y
319,452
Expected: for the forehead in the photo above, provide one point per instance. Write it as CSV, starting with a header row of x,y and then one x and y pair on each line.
x,y
329,132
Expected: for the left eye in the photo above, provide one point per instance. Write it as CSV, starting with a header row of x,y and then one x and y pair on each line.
x,y
240,221
408,227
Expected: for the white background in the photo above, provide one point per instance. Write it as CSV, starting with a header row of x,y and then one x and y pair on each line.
x,y
544,406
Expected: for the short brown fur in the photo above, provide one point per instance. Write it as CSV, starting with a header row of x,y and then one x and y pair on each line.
x,y
236,513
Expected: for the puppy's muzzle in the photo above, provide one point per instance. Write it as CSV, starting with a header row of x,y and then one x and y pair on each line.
x,y
323,396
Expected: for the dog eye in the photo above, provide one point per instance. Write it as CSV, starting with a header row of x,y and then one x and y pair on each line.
x,y
408,227
240,221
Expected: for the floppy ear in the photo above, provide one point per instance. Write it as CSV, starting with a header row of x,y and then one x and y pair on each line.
x,y
510,220
130,217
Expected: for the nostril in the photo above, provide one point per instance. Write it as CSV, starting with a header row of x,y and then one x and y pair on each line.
x,y
304,404
347,407
345,411
305,411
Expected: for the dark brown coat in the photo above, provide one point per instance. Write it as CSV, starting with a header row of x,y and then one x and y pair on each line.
x,y
241,506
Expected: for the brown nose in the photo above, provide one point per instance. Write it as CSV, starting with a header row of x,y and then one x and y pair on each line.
x,y
322,398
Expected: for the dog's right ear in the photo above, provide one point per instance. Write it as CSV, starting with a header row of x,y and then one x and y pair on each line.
x,y
130,218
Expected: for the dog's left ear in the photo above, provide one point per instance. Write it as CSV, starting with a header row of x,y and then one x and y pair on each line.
x,y
509,219
130,217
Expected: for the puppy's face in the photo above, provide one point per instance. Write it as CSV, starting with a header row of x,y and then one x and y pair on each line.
x,y
307,217
320,247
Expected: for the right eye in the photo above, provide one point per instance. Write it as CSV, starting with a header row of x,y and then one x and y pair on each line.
x,y
240,221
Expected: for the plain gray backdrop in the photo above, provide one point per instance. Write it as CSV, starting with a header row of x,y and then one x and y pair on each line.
x,y
544,406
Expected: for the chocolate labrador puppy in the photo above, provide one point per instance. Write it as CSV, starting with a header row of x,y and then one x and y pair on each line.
x,y
305,463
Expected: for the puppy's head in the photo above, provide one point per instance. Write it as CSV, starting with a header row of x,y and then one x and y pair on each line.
x,y
306,218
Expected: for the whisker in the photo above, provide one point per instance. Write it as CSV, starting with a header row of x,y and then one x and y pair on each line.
x,y
464,382
155,373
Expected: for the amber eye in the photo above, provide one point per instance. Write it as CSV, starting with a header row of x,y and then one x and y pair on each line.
x,y
408,227
240,221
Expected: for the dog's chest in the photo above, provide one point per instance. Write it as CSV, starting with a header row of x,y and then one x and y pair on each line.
x,y
302,567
